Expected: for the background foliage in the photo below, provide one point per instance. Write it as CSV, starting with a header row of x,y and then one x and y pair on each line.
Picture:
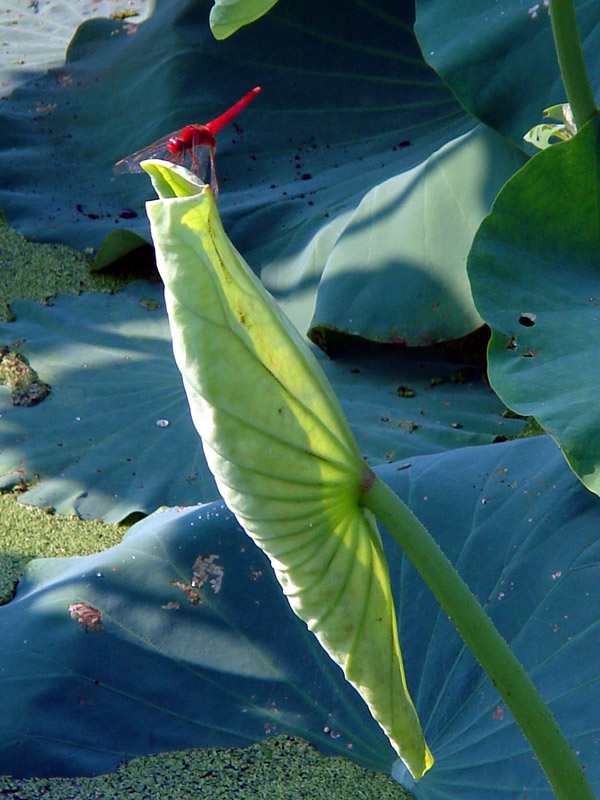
x,y
354,185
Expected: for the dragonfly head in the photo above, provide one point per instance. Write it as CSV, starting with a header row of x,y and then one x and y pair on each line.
x,y
176,145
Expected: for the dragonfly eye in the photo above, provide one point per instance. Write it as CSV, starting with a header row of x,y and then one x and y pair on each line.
x,y
176,145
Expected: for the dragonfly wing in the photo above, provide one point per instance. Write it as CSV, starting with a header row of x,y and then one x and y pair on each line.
x,y
214,184
199,156
157,149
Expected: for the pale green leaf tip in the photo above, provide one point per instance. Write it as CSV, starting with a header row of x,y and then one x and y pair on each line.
x,y
221,31
226,18
224,24
172,180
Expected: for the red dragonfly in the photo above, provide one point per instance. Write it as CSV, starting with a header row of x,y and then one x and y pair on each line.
x,y
197,140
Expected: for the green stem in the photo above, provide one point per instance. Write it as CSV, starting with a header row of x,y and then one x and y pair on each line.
x,y
521,697
570,59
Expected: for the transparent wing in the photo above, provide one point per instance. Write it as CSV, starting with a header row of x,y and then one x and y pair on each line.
x,y
157,149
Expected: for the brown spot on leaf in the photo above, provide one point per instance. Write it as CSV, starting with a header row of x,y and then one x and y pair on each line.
x,y
87,617
149,304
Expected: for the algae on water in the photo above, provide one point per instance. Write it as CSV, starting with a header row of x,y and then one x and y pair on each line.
x,y
27,532
280,768
38,271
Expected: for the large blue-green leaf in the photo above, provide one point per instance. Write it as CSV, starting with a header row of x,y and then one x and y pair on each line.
x,y
397,272
35,35
326,130
403,402
498,56
165,668
96,446
514,520
521,531
114,435
534,271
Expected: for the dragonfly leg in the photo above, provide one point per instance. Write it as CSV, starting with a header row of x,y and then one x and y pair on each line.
x,y
214,185
177,158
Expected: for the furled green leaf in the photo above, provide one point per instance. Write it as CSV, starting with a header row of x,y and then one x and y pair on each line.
x,y
498,56
512,517
228,16
281,451
534,273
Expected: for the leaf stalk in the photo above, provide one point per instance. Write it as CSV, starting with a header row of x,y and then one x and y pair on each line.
x,y
518,692
570,59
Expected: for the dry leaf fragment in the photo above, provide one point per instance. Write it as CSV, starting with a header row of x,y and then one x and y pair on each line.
x,y
203,569
86,616
191,593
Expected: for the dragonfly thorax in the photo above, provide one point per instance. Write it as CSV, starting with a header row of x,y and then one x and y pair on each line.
x,y
189,137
